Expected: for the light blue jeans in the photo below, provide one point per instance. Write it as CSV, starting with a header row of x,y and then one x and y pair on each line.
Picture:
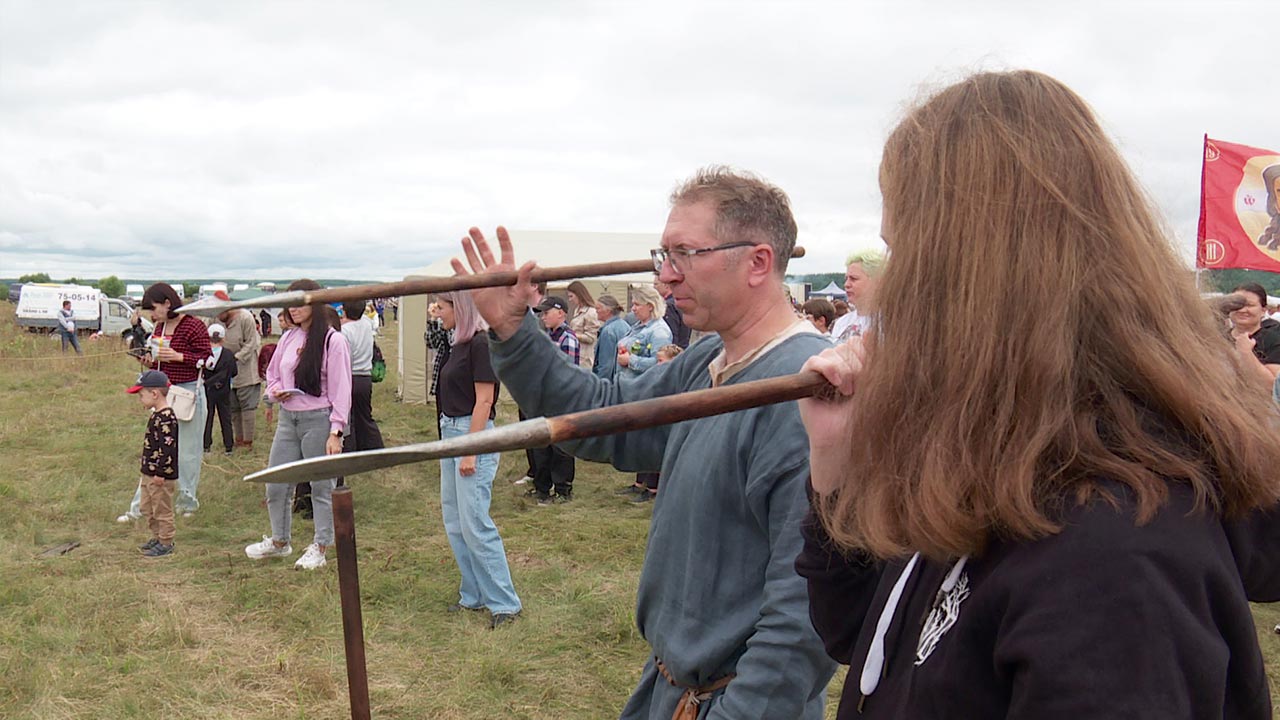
x,y
190,454
300,435
477,547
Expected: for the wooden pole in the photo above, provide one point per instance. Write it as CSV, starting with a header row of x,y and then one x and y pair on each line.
x,y
344,528
422,286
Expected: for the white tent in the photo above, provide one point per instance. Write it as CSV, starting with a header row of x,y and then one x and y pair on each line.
x,y
830,291
549,249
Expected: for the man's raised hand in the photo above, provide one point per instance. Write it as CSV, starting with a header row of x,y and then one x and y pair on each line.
x,y
502,307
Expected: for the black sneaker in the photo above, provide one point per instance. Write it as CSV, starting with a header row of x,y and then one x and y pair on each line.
x,y
502,619
149,544
629,490
160,550
543,499
459,607
644,497
554,500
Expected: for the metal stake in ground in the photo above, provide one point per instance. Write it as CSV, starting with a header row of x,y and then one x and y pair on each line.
x,y
344,528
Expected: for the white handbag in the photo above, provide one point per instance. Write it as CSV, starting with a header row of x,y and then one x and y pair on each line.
x,y
183,402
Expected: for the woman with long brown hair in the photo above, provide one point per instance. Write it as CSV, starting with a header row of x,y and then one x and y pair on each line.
x,y
1056,509
310,376
585,322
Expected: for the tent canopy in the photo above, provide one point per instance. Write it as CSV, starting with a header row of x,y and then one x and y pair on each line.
x,y
549,249
830,291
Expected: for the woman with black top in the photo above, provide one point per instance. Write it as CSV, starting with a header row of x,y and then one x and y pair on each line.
x,y
1257,336
467,396
1054,510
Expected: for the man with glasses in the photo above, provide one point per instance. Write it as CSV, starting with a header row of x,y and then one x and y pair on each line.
x,y
719,599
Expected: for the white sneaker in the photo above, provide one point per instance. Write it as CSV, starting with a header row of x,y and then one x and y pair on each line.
x,y
524,480
311,559
267,548
128,518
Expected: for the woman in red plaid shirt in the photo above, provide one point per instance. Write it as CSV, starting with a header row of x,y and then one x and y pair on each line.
x,y
177,345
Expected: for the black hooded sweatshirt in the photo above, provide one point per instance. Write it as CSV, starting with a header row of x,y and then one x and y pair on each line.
x,y
1102,620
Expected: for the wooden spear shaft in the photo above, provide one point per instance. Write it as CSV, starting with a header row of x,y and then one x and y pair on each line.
x,y
422,286
540,432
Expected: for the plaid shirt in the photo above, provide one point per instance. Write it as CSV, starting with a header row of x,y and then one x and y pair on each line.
x,y
567,340
437,339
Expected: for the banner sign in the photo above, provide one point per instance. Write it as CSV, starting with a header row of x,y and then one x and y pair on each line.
x,y
1239,208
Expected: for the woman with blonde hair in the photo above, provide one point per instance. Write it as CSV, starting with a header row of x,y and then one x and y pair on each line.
x,y
585,322
1055,510
638,349
861,279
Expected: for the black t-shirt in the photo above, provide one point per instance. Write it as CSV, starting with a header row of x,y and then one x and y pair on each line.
x,y
1266,342
467,365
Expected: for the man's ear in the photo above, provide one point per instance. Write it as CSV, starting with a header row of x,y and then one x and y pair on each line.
x,y
760,264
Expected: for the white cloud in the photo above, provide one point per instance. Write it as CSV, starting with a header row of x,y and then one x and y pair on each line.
x,y
361,140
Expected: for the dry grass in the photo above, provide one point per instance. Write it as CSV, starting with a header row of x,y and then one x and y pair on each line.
x,y
206,633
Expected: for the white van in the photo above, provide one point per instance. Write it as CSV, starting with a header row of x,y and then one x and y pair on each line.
x,y
39,304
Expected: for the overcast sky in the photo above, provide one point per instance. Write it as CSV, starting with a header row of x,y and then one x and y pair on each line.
x,y
360,139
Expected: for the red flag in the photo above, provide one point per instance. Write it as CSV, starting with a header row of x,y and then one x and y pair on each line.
x,y
1239,208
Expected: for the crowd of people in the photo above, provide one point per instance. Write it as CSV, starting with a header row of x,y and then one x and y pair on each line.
x,y
1005,508
318,392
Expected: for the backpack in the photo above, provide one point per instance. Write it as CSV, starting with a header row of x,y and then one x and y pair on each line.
x,y
379,371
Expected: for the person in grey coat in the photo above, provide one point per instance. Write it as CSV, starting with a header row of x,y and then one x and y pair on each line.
x,y
719,601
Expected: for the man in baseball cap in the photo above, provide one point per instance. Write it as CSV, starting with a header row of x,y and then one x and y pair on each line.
x,y
150,379
553,467
552,303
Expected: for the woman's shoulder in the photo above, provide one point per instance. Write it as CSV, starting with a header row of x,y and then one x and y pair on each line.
x,y
191,323
1105,534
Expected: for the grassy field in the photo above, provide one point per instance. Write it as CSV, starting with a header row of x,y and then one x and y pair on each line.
x,y
206,633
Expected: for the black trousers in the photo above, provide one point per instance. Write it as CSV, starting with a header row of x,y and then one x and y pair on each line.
x,y
649,480
219,401
362,430
530,454
555,469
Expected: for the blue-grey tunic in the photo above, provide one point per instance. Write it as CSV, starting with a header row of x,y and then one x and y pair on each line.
x,y
719,592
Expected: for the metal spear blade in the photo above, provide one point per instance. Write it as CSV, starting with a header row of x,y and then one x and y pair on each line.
x,y
212,307
529,433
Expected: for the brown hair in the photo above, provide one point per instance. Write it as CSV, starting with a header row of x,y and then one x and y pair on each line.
x,y
584,295
1255,290
747,208
999,190
161,292
820,307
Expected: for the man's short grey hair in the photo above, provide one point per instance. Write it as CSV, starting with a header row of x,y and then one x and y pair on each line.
x,y
747,208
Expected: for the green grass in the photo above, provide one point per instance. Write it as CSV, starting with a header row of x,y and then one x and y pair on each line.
x,y
207,633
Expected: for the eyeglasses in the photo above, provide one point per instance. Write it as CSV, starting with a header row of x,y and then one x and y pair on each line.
x,y
679,257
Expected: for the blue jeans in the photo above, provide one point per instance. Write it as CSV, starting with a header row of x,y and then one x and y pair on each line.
x,y
190,454
464,502
300,435
69,338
